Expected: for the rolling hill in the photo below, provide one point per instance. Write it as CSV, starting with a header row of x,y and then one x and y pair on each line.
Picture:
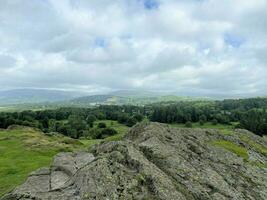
x,y
21,96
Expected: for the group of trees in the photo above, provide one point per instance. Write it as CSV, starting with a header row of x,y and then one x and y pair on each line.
x,y
255,121
249,113
183,112
74,122
77,122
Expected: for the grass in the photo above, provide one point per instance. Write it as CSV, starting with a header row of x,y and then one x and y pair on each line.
x,y
223,128
258,164
23,150
206,125
258,147
120,128
236,149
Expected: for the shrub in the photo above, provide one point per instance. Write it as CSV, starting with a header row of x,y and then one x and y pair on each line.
x,y
107,132
139,117
214,122
188,124
131,122
94,133
101,125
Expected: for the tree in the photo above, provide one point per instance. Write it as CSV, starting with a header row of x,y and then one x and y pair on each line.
x,y
90,120
263,129
76,123
203,118
201,122
45,124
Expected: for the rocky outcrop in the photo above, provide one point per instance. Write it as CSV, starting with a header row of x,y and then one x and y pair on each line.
x,y
155,161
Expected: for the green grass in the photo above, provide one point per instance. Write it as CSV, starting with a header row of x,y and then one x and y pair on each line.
x,y
236,149
90,143
258,164
227,131
23,150
206,125
223,128
120,128
258,147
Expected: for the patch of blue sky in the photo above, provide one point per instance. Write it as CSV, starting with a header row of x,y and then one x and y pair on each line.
x,y
100,42
233,40
151,4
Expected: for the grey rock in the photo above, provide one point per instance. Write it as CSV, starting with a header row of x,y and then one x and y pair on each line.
x,y
155,161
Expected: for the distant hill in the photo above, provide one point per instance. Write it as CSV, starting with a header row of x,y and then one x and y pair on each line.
x,y
134,93
20,96
36,98
94,99
128,97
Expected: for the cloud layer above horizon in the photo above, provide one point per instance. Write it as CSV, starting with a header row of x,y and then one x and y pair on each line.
x,y
187,47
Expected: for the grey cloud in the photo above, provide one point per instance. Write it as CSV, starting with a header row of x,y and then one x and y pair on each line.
x,y
7,61
102,45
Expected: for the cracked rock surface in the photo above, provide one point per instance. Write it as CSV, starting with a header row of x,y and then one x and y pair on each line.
x,y
156,161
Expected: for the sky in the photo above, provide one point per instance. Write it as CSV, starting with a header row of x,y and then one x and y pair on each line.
x,y
215,48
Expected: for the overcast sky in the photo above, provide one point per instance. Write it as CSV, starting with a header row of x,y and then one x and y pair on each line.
x,y
187,47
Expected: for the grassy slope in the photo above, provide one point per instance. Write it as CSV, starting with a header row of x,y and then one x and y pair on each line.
x,y
224,129
24,150
206,125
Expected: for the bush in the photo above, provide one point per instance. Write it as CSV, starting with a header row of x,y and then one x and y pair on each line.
x,y
101,125
107,132
94,133
123,118
188,124
201,122
131,122
239,126
214,122
262,129
139,117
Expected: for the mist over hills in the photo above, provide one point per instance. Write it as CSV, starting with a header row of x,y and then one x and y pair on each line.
x,y
21,96
67,98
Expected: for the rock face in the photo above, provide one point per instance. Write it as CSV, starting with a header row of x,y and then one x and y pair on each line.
x,y
155,161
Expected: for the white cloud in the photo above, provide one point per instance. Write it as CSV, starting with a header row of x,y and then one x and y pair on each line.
x,y
190,47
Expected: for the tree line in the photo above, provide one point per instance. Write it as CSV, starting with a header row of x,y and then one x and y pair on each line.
x,y
78,122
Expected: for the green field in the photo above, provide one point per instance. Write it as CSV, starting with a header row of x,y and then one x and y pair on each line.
x,y
206,125
223,128
24,150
